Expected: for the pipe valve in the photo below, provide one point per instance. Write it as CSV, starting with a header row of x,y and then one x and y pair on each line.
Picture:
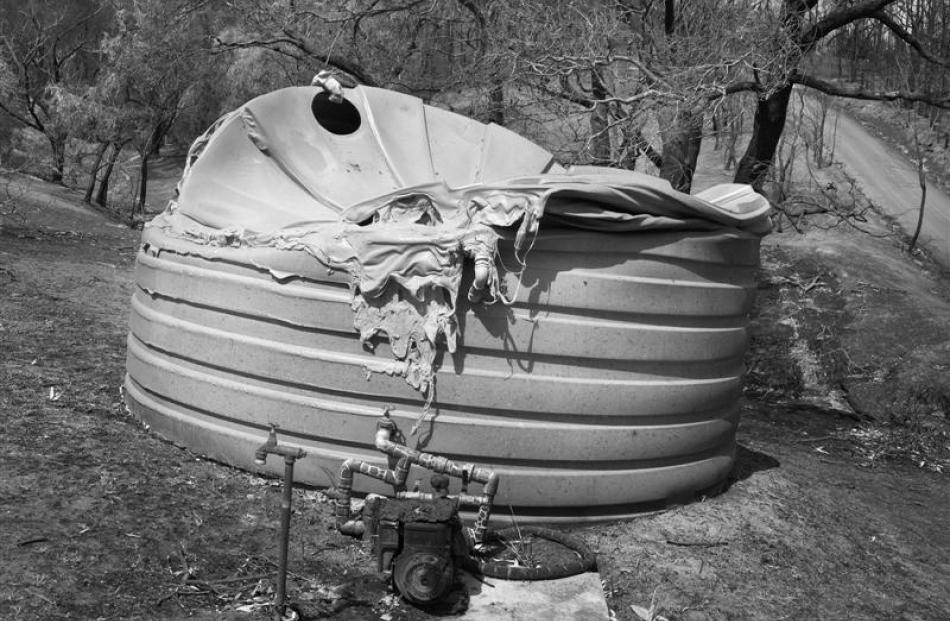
x,y
270,447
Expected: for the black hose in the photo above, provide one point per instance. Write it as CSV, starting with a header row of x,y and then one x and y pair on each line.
x,y
584,561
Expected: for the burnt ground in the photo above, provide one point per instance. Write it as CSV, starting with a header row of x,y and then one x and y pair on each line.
x,y
836,508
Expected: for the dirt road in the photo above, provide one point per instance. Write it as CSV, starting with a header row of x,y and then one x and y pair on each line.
x,y
890,181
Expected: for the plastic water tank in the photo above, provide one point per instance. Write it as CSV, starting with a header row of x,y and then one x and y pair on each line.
x,y
611,383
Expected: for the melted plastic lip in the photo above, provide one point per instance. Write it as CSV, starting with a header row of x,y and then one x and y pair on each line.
x,y
337,118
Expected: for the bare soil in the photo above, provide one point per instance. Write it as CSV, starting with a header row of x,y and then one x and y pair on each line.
x,y
836,508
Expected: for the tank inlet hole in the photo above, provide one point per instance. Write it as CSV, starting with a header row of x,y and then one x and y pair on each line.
x,y
337,118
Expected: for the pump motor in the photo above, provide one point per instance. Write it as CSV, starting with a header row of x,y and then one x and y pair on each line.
x,y
418,544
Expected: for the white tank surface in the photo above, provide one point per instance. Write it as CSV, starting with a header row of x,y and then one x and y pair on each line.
x,y
579,331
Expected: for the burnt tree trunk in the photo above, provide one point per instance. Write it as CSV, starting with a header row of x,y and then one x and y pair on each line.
x,y
103,194
768,123
629,145
58,153
139,206
151,147
681,149
599,121
767,126
94,173
496,98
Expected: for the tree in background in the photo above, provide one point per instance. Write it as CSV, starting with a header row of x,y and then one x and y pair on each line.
x,y
629,83
46,45
429,48
109,73
156,61
804,25
636,64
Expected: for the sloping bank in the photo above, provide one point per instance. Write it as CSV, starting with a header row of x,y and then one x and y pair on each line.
x,y
581,331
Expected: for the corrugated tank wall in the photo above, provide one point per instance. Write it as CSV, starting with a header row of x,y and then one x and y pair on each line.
x,y
610,385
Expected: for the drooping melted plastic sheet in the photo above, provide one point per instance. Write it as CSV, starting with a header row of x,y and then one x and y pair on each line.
x,y
400,194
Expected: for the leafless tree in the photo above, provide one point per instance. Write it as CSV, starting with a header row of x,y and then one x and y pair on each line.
x,y
45,44
157,58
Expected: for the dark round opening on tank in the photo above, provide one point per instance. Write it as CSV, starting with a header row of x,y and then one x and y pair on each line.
x,y
337,118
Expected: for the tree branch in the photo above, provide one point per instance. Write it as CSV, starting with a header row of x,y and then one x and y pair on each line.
x,y
569,93
854,92
909,39
370,13
841,16
652,76
735,87
332,60
18,117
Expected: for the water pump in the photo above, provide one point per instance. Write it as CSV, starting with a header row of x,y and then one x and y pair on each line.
x,y
418,538
418,544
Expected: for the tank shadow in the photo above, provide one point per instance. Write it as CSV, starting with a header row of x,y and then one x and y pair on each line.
x,y
748,462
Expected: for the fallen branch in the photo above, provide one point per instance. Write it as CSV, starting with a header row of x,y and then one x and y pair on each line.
x,y
697,544
228,580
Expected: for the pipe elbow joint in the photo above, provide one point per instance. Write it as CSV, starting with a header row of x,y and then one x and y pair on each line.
x,y
382,441
349,466
491,486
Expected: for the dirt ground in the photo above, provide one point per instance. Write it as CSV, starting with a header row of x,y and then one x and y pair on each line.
x,y
836,508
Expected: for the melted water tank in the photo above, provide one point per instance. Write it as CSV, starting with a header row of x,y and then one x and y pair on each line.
x,y
610,382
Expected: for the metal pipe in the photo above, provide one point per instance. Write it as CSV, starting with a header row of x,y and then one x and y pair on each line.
x,y
464,499
443,465
345,522
284,533
406,456
290,455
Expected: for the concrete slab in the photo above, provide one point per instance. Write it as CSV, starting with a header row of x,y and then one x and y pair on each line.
x,y
579,598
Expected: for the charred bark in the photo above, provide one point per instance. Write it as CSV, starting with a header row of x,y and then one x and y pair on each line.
x,y
94,172
599,121
58,154
151,147
139,206
496,102
767,126
681,149
102,196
